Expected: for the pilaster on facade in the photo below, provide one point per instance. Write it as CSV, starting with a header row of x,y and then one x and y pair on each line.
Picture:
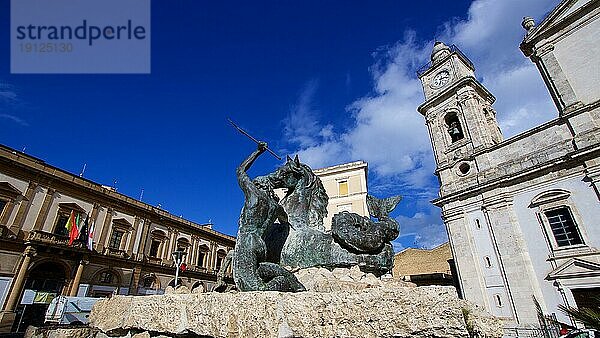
x,y
106,226
133,238
24,206
515,264
43,214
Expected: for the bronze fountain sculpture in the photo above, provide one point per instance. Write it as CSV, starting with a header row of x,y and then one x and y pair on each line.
x,y
275,236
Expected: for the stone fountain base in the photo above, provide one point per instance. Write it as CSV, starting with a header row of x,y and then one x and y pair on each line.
x,y
338,304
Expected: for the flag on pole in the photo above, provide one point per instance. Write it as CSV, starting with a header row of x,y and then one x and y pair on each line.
x,y
83,230
90,240
70,222
74,230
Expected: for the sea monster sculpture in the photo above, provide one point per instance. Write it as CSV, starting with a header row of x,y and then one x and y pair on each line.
x,y
289,233
354,239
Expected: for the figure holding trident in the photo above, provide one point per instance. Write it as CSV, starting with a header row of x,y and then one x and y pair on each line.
x,y
251,271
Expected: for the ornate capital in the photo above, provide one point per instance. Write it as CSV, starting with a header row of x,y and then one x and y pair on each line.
x,y
30,251
545,50
452,214
466,94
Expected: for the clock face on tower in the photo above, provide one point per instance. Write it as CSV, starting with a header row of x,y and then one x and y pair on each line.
x,y
441,79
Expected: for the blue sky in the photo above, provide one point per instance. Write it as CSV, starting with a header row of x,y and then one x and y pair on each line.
x,y
331,81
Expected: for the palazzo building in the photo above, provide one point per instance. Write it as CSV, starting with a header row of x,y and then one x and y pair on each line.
x,y
132,241
346,187
522,213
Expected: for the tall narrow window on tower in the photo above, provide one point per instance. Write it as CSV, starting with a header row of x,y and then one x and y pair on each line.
x,y
454,127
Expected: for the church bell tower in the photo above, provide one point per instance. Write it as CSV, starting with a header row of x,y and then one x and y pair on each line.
x,y
459,116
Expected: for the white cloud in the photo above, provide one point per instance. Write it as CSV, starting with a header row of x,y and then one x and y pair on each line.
x,y
391,136
7,93
302,124
8,103
424,229
15,119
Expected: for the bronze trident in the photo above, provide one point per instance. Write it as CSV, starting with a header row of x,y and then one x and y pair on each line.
x,y
252,138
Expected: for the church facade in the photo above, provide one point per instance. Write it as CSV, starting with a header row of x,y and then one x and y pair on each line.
x,y
521,213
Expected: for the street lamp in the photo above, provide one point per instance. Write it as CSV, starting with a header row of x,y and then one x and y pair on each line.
x,y
178,257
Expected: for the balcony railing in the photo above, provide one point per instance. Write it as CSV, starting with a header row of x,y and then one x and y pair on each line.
x,y
115,252
52,239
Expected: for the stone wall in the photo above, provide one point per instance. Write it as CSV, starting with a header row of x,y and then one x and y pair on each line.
x,y
338,304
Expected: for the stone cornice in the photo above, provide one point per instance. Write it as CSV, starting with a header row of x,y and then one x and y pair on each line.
x,y
341,168
567,161
549,27
451,91
33,168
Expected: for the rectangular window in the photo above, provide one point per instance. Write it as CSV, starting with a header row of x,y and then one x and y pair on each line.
x,y
61,222
154,248
343,188
115,240
563,227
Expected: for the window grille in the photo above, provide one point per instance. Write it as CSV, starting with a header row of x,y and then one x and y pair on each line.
x,y
563,227
115,240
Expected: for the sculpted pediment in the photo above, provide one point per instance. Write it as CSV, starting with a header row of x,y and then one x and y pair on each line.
x,y
575,267
561,12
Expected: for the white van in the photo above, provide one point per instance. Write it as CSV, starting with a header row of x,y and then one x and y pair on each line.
x,y
69,310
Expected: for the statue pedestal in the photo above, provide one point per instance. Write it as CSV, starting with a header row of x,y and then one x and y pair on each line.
x,y
366,311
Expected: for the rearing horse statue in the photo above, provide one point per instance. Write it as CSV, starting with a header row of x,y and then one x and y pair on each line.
x,y
354,239
274,235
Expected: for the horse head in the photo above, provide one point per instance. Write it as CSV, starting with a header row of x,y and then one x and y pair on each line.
x,y
305,198
289,175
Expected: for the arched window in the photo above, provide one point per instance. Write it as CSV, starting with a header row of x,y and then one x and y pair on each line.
x,y
199,287
183,244
107,277
454,127
172,282
47,276
150,282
